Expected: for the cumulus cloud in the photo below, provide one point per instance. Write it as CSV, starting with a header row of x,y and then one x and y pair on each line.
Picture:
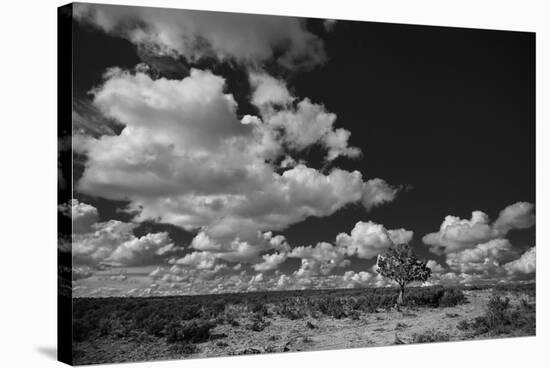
x,y
456,234
83,215
483,258
236,250
199,260
269,91
245,38
357,279
526,264
435,267
270,262
368,239
320,259
377,192
81,272
184,158
113,241
520,215
137,251
302,124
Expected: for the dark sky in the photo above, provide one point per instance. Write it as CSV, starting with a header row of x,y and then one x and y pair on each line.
x,y
447,113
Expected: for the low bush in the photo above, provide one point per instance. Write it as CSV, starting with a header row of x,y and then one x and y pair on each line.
x,y
258,323
502,318
194,331
183,348
451,297
430,336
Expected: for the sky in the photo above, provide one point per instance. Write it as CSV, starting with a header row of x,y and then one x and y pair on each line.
x,y
219,152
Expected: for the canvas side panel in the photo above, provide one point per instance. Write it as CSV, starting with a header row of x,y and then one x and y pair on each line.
x,y
65,184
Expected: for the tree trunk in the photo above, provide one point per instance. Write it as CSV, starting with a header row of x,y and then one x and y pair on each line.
x,y
401,297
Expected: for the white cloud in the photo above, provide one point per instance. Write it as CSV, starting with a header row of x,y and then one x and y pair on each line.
x,y
112,241
184,158
141,250
456,234
525,264
519,215
81,272
368,239
435,267
377,192
199,260
236,250
302,125
319,260
357,279
308,124
269,91
483,258
97,245
83,215
246,38
270,262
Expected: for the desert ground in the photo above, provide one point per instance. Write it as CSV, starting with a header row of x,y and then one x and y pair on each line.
x,y
299,323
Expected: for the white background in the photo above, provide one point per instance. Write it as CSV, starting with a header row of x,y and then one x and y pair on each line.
x,y
28,153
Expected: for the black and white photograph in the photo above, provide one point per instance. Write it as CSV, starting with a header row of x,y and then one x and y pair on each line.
x,y
235,184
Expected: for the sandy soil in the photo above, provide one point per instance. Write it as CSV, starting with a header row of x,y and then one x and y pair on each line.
x,y
374,329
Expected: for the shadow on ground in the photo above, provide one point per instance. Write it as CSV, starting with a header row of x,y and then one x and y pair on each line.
x,y
48,351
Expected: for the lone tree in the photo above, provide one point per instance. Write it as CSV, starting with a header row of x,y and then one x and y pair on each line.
x,y
400,264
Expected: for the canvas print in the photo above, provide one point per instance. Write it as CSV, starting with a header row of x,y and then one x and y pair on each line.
x,y
245,184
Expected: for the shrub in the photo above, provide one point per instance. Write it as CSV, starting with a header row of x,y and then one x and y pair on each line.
x,y
196,330
259,309
258,323
452,297
430,336
291,312
463,325
332,307
155,326
183,348
501,318
498,314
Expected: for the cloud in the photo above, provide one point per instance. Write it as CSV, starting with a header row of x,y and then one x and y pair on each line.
x,y
302,124
270,262
83,215
377,192
435,267
185,159
308,124
245,38
320,259
81,272
520,215
97,245
141,250
113,241
87,119
456,234
526,264
199,260
368,239
483,258
268,91
357,279
236,250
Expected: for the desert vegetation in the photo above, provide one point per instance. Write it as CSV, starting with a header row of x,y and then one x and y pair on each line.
x,y
131,329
